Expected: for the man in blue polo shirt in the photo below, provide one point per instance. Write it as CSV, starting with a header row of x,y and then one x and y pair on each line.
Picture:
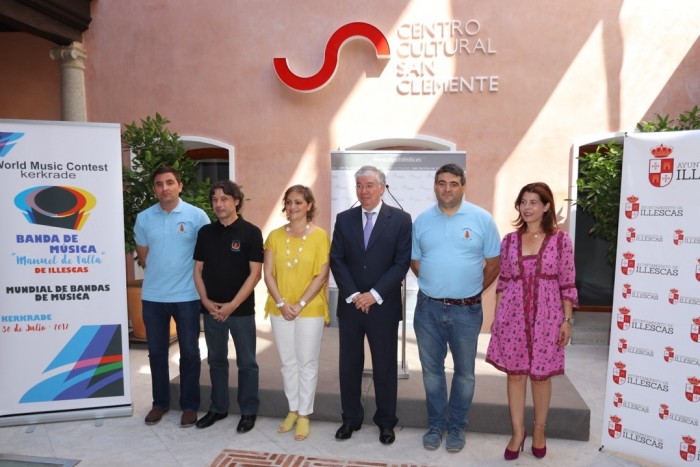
x,y
455,255
165,236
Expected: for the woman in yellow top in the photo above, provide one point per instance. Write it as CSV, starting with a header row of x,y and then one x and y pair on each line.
x,y
296,270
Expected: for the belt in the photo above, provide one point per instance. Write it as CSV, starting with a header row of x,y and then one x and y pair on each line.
x,y
476,299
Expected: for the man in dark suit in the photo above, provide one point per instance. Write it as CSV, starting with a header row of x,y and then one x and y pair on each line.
x,y
370,255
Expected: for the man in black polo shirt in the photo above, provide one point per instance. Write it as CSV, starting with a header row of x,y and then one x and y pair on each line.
x,y
228,263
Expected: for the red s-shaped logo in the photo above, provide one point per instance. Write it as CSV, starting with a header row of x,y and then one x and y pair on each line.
x,y
330,63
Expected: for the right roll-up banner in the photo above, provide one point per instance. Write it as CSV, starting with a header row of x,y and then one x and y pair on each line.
x,y
652,397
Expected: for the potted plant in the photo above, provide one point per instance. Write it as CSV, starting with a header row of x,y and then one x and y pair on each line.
x,y
152,145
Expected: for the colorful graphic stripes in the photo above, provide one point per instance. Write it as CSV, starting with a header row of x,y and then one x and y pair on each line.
x,y
94,359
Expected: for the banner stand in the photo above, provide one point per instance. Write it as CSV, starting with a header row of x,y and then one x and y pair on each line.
x,y
652,398
64,349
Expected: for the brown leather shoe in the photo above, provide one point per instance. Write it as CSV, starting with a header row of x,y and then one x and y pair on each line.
x,y
188,419
155,415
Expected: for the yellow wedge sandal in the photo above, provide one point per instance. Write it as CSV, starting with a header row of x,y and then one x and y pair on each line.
x,y
302,429
288,422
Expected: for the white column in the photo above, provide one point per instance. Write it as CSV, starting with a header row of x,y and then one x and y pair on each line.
x,y
73,103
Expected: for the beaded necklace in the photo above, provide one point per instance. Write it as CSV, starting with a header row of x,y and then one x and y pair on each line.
x,y
291,263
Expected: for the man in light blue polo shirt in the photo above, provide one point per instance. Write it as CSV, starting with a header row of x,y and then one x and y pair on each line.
x,y
165,236
455,255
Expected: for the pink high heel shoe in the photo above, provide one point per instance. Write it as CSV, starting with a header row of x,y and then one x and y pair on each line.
x,y
512,455
539,452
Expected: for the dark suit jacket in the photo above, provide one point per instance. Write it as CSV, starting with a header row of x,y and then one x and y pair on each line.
x,y
381,267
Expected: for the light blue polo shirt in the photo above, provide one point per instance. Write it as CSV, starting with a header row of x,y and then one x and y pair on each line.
x,y
170,238
451,250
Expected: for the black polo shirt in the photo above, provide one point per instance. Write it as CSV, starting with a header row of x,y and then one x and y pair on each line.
x,y
226,252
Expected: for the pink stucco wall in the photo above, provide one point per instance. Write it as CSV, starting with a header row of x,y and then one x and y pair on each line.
x,y
568,71
29,80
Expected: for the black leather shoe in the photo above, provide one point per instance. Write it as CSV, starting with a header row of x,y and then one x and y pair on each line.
x,y
345,431
246,424
210,418
386,435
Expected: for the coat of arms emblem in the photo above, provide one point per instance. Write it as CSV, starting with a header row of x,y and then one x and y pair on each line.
x,y
615,427
632,207
624,319
619,373
628,263
689,451
661,167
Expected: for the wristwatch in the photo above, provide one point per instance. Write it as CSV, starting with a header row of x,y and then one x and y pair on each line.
x,y
302,302
569,320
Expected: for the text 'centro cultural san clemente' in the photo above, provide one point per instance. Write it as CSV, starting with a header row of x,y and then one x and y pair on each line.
x,y
421,48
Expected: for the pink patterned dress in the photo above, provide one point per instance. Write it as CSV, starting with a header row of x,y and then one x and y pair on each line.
x,y
526,326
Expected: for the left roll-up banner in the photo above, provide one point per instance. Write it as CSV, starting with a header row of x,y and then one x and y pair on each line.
x,y
64,352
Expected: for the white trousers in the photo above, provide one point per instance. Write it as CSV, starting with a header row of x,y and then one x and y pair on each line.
x,y
298,344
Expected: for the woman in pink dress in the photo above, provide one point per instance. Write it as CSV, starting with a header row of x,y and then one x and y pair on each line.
x,y
535,298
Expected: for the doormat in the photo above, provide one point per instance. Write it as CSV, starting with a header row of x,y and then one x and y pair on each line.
x,y
235,457
11,460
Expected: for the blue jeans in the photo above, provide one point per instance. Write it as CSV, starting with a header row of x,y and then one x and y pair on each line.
x,y
156,318
438,325
242,330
